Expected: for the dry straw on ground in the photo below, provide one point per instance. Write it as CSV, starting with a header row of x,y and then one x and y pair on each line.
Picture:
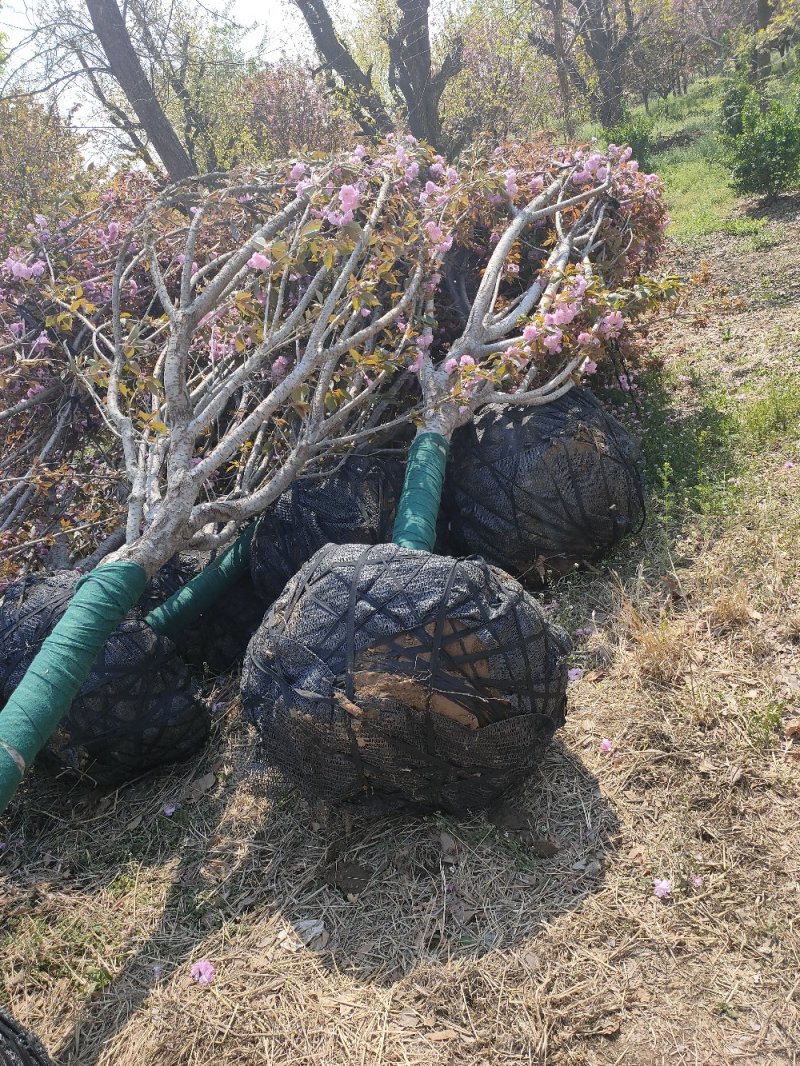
x,y
532,938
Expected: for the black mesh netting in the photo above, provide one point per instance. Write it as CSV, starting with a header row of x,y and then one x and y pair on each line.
x,y
354,505
29,609
534,486
219,637
137,709
18,1047
387,678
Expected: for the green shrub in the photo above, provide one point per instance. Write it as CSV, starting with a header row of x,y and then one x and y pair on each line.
x,y
635,130
735,95
765,156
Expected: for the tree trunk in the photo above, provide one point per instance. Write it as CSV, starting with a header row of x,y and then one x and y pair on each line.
x,y
762,57
367,106
610,110
564,90
124,64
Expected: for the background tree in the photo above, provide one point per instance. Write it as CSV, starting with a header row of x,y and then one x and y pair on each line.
x,y
40,160
152,80
414,78
605,31
291,109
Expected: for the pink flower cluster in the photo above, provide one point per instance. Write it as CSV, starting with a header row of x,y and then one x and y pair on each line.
x,y
17,268
349,198
441,242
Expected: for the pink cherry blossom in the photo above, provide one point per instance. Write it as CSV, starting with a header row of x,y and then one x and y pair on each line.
x,y
279,368
297,172
434,232
611,324
590,367
511,182
170,808
564,314
531,333
466,360
359,151
662,887
606,746
257,261
451,366
575,674
349,197
203,972
553,341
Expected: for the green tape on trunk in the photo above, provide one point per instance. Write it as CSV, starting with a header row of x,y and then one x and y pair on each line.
x,y
415,523
102,599
187,604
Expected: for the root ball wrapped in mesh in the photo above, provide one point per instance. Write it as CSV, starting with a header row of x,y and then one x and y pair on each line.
x,y
529,487
29,609
355,504
219,637
137,710
385,678
18,1047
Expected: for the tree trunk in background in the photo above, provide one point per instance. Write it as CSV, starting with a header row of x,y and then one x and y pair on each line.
x,y
124,64
364,101
762,55
564,90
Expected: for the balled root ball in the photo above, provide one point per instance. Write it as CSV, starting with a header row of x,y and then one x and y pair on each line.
x,y
219,637
538,488
355,504
137,710
29,609
18,1047
385,678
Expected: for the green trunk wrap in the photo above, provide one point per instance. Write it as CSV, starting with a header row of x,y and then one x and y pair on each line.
x,y
415,524
102,599
187,604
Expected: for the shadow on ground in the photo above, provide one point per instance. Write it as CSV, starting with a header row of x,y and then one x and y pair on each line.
x,y
372,902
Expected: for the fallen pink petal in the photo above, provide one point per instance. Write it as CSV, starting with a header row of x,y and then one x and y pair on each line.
x,y
696,881
662,887
203,972
606,746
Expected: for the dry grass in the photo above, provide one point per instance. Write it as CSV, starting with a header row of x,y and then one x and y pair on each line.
x,y
434,941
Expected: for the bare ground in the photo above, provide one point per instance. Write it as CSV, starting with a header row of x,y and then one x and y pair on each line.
x,y
533,938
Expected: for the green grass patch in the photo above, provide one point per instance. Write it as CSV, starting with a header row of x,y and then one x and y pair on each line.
x,y
702,448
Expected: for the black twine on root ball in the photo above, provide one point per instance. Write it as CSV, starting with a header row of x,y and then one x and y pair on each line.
x,y
549,486
385,678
